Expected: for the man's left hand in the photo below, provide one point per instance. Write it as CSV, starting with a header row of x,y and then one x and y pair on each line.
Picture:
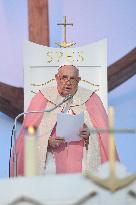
x,y
84,133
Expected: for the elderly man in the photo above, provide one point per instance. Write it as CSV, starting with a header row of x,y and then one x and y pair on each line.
x,y
56,155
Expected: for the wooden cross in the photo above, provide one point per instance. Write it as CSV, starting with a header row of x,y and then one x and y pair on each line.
x,y
38,21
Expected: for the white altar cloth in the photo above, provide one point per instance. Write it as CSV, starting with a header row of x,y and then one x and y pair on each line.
x,y
64,190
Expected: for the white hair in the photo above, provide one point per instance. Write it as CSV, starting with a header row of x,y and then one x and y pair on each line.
x,y
65,63
70,64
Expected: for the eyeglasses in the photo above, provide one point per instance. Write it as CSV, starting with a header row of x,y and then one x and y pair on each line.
x,y
65,79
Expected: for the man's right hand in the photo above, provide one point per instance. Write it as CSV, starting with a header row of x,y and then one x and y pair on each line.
x,y
56,141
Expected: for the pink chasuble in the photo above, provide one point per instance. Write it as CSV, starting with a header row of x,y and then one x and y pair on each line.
x,y
68,156
65,154
38,102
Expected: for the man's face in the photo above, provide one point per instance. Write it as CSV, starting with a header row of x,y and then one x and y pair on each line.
x,y
67,80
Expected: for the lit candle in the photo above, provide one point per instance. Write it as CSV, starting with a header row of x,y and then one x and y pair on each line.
x,y
111,141
30,152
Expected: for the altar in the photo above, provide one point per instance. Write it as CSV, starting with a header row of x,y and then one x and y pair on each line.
x,y
67,189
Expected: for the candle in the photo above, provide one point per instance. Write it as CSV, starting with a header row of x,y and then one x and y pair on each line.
x,y
111,141
30,152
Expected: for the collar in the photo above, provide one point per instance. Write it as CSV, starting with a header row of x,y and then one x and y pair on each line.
x,y
80,97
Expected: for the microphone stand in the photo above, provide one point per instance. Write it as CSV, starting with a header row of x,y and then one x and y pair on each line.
x,y
68,97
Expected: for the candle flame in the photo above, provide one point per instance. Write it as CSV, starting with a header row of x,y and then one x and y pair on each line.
x,y
31,130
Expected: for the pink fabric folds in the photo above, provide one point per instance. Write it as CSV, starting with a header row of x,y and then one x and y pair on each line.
x,y
38,103
99,119
68,156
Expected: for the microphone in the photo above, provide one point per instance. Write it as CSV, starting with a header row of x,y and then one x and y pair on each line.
x,y
67,98
67,105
